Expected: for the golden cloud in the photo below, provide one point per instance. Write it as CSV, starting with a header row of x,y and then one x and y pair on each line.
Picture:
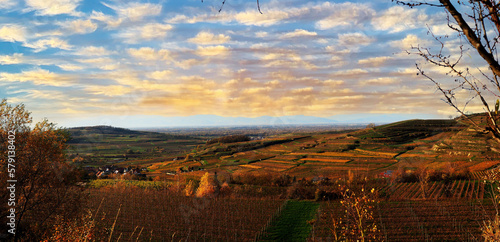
x,y
150,54
207,38
218,50
38,77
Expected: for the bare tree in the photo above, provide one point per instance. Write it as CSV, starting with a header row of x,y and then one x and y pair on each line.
x,y
478,22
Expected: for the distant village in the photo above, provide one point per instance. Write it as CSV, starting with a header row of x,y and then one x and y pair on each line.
x,y
108,170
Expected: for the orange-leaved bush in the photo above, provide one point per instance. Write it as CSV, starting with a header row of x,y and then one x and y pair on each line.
x,y
209,186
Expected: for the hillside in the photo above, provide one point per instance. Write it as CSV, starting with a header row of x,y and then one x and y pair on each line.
x,y
435,144
103,145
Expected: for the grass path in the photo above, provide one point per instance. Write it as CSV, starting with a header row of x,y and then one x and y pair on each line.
x,y
292,224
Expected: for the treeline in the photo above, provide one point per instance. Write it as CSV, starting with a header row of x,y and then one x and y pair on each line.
x,y
229,139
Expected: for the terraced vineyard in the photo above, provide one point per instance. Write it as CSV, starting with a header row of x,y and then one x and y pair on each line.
x,y
450,220
466,189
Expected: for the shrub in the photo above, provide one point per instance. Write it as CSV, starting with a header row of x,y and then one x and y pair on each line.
x,y
225,189
282,181
323,195
76,229
260,179
299,191
190,188
359,223
491,229
209,186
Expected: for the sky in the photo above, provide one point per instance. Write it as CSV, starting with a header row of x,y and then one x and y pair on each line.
x,y
127,63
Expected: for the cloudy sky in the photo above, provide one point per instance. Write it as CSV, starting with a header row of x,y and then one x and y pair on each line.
x,y
85,62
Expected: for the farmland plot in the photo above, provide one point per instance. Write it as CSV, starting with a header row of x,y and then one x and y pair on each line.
x,y
163,216
416,220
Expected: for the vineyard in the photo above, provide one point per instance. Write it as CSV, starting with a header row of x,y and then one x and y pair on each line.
x,y
465,189
145,215
451,220
274,182
137,214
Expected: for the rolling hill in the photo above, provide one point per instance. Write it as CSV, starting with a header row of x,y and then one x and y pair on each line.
x,y
412,143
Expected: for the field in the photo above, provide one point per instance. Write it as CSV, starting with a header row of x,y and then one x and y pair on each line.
x,y
104,145
438,220
167,216
401,215
274,181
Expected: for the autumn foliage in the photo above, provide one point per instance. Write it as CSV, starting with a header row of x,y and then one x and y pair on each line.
x,y
209,186
44,189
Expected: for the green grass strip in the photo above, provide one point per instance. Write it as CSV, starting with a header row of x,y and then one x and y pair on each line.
x,y
292,224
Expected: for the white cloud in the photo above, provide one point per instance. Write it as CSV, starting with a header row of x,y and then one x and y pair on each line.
x,y
410,41
38,77
53,7
150,54
16,58
355,39
42,34
212,50
380,81
146,32
136,11
278,13
346,14
399,18
299,33
79,26
111,91
110,21
207,38
374,61
103,63
52,42
92,51
70,67
252,17
442,29
6,4
13,32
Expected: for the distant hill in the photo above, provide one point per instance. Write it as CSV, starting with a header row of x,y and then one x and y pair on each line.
x,y
96,133
103,129
410,130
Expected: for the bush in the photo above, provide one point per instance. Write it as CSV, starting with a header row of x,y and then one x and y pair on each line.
x,y
323,195
190,188
225,190
300,191
209,186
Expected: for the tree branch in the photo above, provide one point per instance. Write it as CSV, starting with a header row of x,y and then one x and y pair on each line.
x,y
471,36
